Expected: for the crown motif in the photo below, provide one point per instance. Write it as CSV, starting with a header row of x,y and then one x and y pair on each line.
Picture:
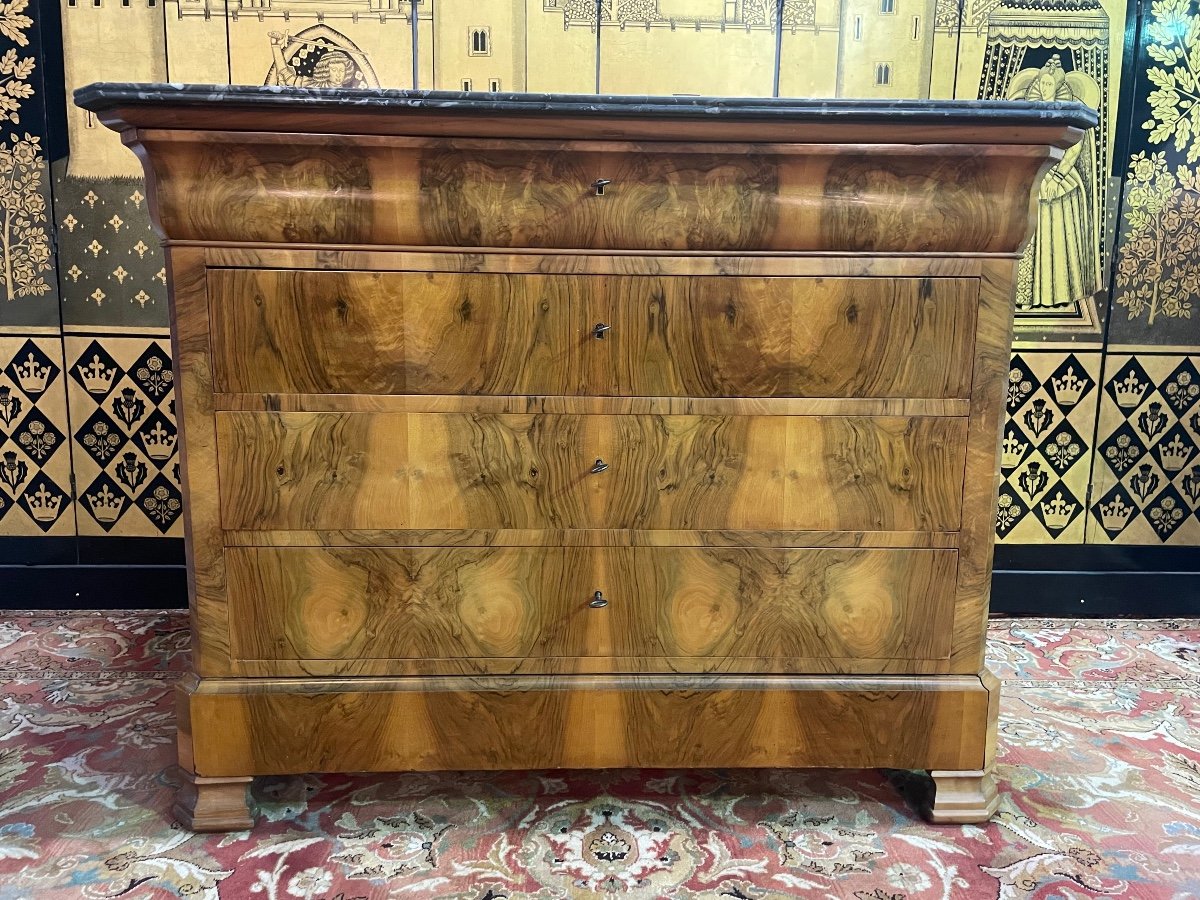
x,y
43,505
1129,390
159,442
1057,513
32,375
1012,451
1069,389
96,378
106,505
1174,455
1115,516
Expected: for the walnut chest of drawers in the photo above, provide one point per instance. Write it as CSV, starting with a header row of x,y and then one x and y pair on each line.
x,y
533,432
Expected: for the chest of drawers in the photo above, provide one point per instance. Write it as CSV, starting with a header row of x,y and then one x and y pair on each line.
x,y
537,432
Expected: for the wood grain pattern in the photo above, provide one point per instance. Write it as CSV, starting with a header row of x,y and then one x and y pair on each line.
x,y
613,406
592,537
225,120
213,804
504,609
322,189
982,477
390,405
425,333
383,470
264,727
582,261
192,363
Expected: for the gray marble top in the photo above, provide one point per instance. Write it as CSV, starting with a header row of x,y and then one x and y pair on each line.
x,y
110,95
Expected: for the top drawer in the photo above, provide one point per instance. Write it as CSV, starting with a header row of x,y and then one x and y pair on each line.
x,y
301,331
722,198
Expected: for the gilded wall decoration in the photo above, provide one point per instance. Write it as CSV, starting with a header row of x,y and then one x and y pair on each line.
x,y
1147,464
1158,263
26,250
122,400
35,461
120,433
1058,50
1159,268
1046,453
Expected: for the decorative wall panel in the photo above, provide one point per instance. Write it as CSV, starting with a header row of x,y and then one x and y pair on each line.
x,y
1056,50
122,400
1108,215
1147,461
28,288
1157,279
1046,454
688,47
35,461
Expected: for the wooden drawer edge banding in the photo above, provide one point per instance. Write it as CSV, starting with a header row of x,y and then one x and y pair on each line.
x,y
831,667
587,405
420,258
880,684
780,540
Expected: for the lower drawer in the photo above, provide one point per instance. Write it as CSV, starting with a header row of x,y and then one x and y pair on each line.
x,y
391,610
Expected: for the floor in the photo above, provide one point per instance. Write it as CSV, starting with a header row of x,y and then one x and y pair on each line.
x,y
1099,769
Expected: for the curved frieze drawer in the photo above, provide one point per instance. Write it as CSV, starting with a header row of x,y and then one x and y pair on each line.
x,y
303,331
682,608
890,198
345,471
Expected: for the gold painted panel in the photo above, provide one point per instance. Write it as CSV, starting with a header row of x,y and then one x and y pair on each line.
x,y
1147,464
687,47
121,392
35,459
1046,454
1056,50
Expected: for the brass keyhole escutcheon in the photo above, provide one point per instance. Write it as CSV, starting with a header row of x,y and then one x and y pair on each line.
x,y
598,601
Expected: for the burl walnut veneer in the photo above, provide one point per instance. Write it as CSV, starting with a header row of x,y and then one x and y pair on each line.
x,y
548,432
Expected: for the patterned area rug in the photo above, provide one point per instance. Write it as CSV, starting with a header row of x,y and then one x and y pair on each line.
x,y
1099,771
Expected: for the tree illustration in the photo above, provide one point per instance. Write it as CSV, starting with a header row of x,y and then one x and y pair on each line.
x,y
14,79
24,238
1159,266
1175,101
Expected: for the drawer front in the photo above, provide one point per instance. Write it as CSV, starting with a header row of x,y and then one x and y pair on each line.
x,y
652,201
459,471
286,331
320,189
695,609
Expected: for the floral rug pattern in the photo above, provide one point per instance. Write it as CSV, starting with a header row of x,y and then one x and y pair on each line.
x,y
1099,771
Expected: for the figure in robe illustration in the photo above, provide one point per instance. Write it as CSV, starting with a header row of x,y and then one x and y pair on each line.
x,y
1060,266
